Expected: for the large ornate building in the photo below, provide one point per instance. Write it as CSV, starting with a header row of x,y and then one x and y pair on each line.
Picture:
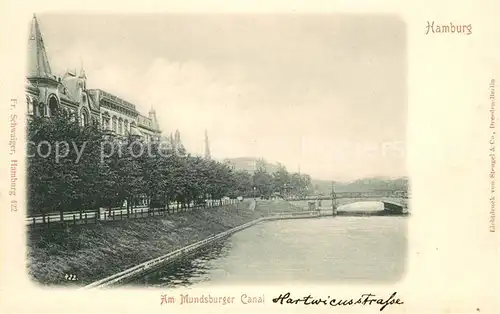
x,y
47,94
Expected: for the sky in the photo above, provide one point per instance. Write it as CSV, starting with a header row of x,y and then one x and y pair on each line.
x,y
326,93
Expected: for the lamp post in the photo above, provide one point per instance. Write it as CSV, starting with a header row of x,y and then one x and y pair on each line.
x,y
334,205
286,198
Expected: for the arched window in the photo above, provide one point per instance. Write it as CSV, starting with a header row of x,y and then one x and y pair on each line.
x,y
84,118
53,106
120,126
126,127
72,117
114,124
35,108
107,123
41,109
29,103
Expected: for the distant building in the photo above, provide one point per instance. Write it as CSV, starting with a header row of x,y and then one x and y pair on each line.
x,y
47,94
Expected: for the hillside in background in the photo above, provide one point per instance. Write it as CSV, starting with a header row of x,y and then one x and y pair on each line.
x,y
322,186
362,185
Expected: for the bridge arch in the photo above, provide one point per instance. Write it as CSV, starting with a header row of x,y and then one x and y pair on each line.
x,y
388,204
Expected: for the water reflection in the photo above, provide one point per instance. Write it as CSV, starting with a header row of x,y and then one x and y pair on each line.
x,y
187,271
340,249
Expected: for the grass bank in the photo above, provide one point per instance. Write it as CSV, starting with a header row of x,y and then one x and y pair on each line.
x,y
92,252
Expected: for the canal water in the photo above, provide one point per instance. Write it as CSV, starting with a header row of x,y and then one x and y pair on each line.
x,y
328,249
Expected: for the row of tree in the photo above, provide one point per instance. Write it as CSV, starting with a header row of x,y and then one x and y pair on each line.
x,y
79,168
280,182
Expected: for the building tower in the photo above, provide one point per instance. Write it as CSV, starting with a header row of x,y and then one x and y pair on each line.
x,y
45,101
207,147
177,143
38,62
83,76
152,116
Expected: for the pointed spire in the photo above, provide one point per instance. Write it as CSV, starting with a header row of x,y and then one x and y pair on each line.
x,y
207,146
172,141
152,116
38,63
82,70
178,143
177,137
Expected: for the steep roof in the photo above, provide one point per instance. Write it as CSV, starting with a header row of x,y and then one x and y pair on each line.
x,y
135,131
38,63
28,85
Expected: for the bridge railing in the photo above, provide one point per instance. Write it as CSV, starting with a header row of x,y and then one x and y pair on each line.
x,y
338,195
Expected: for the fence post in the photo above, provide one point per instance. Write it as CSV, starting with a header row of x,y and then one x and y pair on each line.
x,y
104,215
121,215
113,215
34,220
74,220
142,213
85,218
48,221
80,214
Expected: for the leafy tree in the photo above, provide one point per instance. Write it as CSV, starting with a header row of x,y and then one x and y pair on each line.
x,y
281,180
63,165
105,170
263,182
242,184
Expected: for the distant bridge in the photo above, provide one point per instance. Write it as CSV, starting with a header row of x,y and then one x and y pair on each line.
x,y
395,202
375,193
393,205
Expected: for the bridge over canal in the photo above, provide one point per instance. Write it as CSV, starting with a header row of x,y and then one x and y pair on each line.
x,y
394,202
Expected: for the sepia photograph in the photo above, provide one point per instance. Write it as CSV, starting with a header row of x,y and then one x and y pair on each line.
x,y
188,150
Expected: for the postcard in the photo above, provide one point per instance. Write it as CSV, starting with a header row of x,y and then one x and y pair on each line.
x,y
286,157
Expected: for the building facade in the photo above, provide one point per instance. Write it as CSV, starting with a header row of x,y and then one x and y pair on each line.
x,y
47,94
